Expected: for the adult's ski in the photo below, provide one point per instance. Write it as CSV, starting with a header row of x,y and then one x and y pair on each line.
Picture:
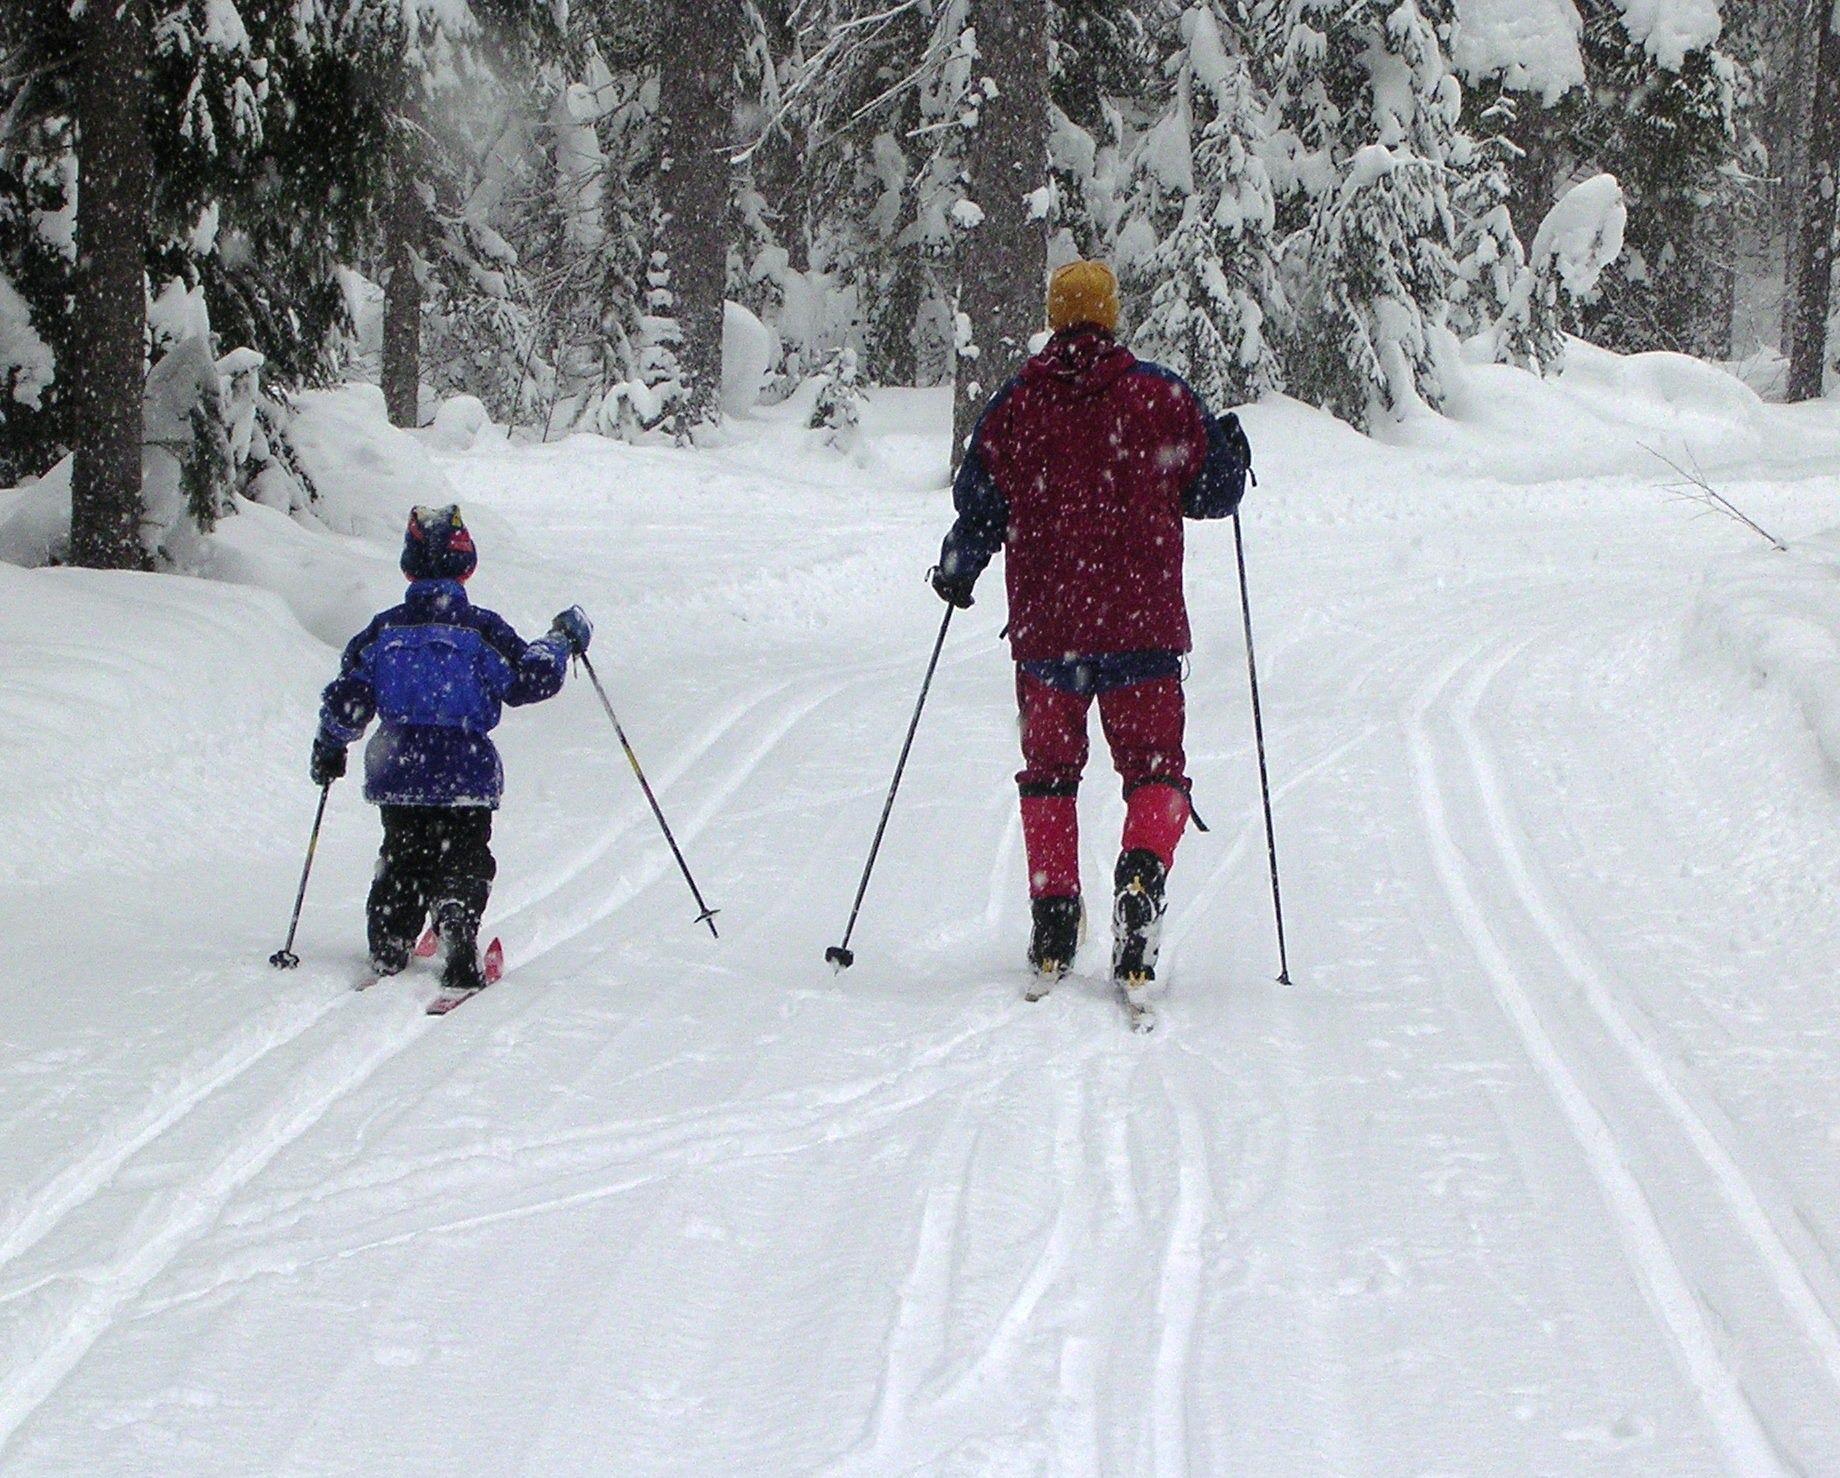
x,y
1139,1010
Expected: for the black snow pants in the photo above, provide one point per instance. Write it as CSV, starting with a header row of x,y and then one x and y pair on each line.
x,y
436,860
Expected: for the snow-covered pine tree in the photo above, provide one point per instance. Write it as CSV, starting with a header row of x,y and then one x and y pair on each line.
x,y
154,108
1490,257
1662,120
1100,63
1363,160
1364,342
1210,284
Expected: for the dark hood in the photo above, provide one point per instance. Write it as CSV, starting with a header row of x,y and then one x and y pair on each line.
x,y
1079,362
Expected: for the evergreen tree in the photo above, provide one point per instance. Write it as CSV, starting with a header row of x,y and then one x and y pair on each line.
x,y
1211,281
1363,160
1662,121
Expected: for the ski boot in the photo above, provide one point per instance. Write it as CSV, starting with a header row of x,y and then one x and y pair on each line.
x,y
457,922
1059,925
1137,930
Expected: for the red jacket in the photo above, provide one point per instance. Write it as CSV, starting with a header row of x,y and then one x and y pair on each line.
x,y
1084,466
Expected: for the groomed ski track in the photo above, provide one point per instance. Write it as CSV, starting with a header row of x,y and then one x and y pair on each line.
x,y
1531,1171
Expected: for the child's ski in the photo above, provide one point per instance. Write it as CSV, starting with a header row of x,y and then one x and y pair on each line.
x,y
492,966
425,948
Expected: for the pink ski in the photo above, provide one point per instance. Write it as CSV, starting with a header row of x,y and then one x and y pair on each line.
x,y
492,967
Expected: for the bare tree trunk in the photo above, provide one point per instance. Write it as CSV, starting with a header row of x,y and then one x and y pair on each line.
x,y
108,332
696,89
1815,260
405,229
1003,262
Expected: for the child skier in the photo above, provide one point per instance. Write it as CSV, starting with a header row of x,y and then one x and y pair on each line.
x,y
435,670
1084,466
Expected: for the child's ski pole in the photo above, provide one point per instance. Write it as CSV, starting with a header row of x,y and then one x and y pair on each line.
x,y
285,958
708,914
839,956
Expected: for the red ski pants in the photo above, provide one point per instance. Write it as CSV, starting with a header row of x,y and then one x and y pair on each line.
x,y
1143,726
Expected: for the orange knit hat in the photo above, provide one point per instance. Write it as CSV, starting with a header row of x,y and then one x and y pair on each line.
x,y
1083,292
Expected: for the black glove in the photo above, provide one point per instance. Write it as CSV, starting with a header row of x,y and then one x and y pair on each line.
x,y
954,590
577,630
1236,438
328,761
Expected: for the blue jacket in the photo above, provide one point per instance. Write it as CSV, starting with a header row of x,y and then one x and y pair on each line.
x,y
435,670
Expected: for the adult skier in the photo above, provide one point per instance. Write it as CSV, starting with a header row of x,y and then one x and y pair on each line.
x,y
1084,466
435,671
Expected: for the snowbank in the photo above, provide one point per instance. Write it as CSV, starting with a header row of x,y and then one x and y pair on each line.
x,y
125,700
1777,617
335,565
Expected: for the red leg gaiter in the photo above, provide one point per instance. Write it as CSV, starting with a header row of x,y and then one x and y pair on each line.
x,y
1154,818
1051,838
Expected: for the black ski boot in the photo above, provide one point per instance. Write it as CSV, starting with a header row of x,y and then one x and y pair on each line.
x,y
457,922
1059,923
390,960
1137,925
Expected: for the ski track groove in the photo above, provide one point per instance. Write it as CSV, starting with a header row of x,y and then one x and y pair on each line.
x,y
1179,1286
797,1109
663,1157
1051,1260
192,1209
1784,1269
920,1306
1735,1423
86,1177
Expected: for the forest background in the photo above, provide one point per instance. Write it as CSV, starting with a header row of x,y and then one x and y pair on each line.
x,y
573,213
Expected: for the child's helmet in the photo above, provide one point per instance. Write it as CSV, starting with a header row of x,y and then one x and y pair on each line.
x,y
437,546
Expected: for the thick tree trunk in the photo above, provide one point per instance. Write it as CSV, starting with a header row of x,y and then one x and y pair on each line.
x,y
696,87
1003,261
1814,273
405,227
108,332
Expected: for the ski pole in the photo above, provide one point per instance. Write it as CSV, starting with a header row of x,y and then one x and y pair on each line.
x,y
285,958
708,914
839,956
1258,733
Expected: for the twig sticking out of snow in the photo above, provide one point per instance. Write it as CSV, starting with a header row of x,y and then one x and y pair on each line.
x,y
1694,488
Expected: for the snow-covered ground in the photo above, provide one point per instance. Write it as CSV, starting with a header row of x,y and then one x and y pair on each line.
x,y
1532,1170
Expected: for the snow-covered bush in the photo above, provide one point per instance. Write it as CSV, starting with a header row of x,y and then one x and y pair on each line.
x,y
1580,239
839,407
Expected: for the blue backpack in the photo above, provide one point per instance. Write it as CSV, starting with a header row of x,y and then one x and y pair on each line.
x,y
434,676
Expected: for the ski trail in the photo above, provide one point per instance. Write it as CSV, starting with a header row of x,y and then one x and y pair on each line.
x,y
844,1108
168,1225
1784,1268
920,1308
1179,1286
84,1178
1050,1263
1735,1424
